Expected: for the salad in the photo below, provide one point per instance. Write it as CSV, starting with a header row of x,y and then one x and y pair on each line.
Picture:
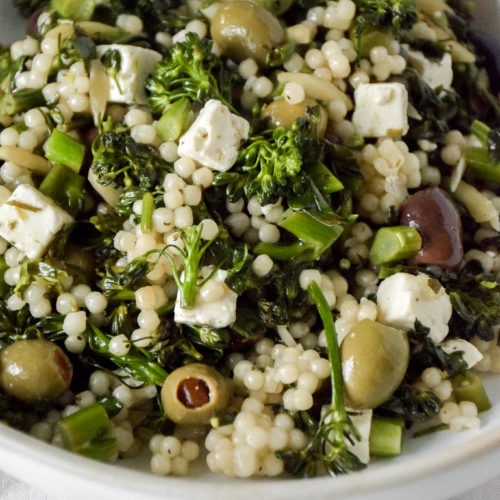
x,y
259,235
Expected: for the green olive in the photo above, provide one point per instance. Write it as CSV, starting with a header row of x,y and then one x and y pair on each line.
x,y
194,393
244,29
283,114
374,362
34,370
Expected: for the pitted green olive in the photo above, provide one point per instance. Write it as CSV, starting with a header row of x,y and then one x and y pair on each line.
x,y
34,370
194,393
283,114
244,29
374,362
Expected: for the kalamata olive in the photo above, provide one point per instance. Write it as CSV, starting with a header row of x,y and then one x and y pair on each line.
x,y
245,29
433,214
194,393
283,114
34,370
374,362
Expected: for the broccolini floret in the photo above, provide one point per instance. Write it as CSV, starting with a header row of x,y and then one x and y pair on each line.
x,y
190,69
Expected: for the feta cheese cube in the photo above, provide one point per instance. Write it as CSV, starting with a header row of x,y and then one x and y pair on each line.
x,y
216,314
363,422
403,298
381,110
135,66
29,220
214,137
470,352
436,74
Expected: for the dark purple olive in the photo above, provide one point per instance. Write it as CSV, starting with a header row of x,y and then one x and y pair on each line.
x,y
32,22
433,214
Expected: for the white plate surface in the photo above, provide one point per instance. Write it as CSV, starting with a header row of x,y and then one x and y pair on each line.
x,y
432,467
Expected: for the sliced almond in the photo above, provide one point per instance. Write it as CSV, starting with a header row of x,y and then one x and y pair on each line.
x,y
25,159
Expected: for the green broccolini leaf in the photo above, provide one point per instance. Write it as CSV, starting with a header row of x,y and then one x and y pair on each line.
x,y
78,47
43,272
119,161
398,15
190,70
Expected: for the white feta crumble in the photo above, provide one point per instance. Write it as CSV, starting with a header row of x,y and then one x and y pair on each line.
x,y
381,110
136,65
403,298
214,137
216,314
438,74
470,352
29,220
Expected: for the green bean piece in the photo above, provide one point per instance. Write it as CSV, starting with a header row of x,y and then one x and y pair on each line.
x,y
65,187
63,149
77,10
478,159
469,387
21,100
386,436
394,243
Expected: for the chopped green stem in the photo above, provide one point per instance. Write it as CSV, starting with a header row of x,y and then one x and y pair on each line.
x,y
481,131
65,187
77,10
63,149
21,100
148,206
324,179
172,122
431,430
469,387
394,243
281,252
81,431
137,362
479,160
386,436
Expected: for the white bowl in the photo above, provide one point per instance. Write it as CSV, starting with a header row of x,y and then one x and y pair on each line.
x,y
436,466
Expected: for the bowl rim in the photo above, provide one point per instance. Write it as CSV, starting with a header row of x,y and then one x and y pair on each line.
x,y
16,445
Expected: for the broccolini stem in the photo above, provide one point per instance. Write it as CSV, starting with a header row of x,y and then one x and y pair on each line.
x,y
21,100
148,206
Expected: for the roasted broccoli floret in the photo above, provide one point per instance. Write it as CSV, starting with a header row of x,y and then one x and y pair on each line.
x,y
191,70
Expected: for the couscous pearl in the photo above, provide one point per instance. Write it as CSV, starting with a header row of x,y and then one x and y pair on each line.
x,y
180,466
41,308
82,84
155,443
15,303
247,68
132,24
288,373
262,265
32,118
163,39
148,319
242,368
320,367
209,230
254,380
307,276
303,400
235,207
66,303
80,292
245,461
203,177
315,58
84,399
124,395
296,439
183,217
160,465
173,199
135,117
96,302
238,223
269,233
79,103
184,167
212,291
30,46
50,46
9,137
69,410
144,134
119,345
294,93
192,195
171,446
198,27
295,63
75,323
284,421
173,181
77,68
168,151
262,86
34,293
190,450
75,344
42,431
141,337
256,437
99,383
137,207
